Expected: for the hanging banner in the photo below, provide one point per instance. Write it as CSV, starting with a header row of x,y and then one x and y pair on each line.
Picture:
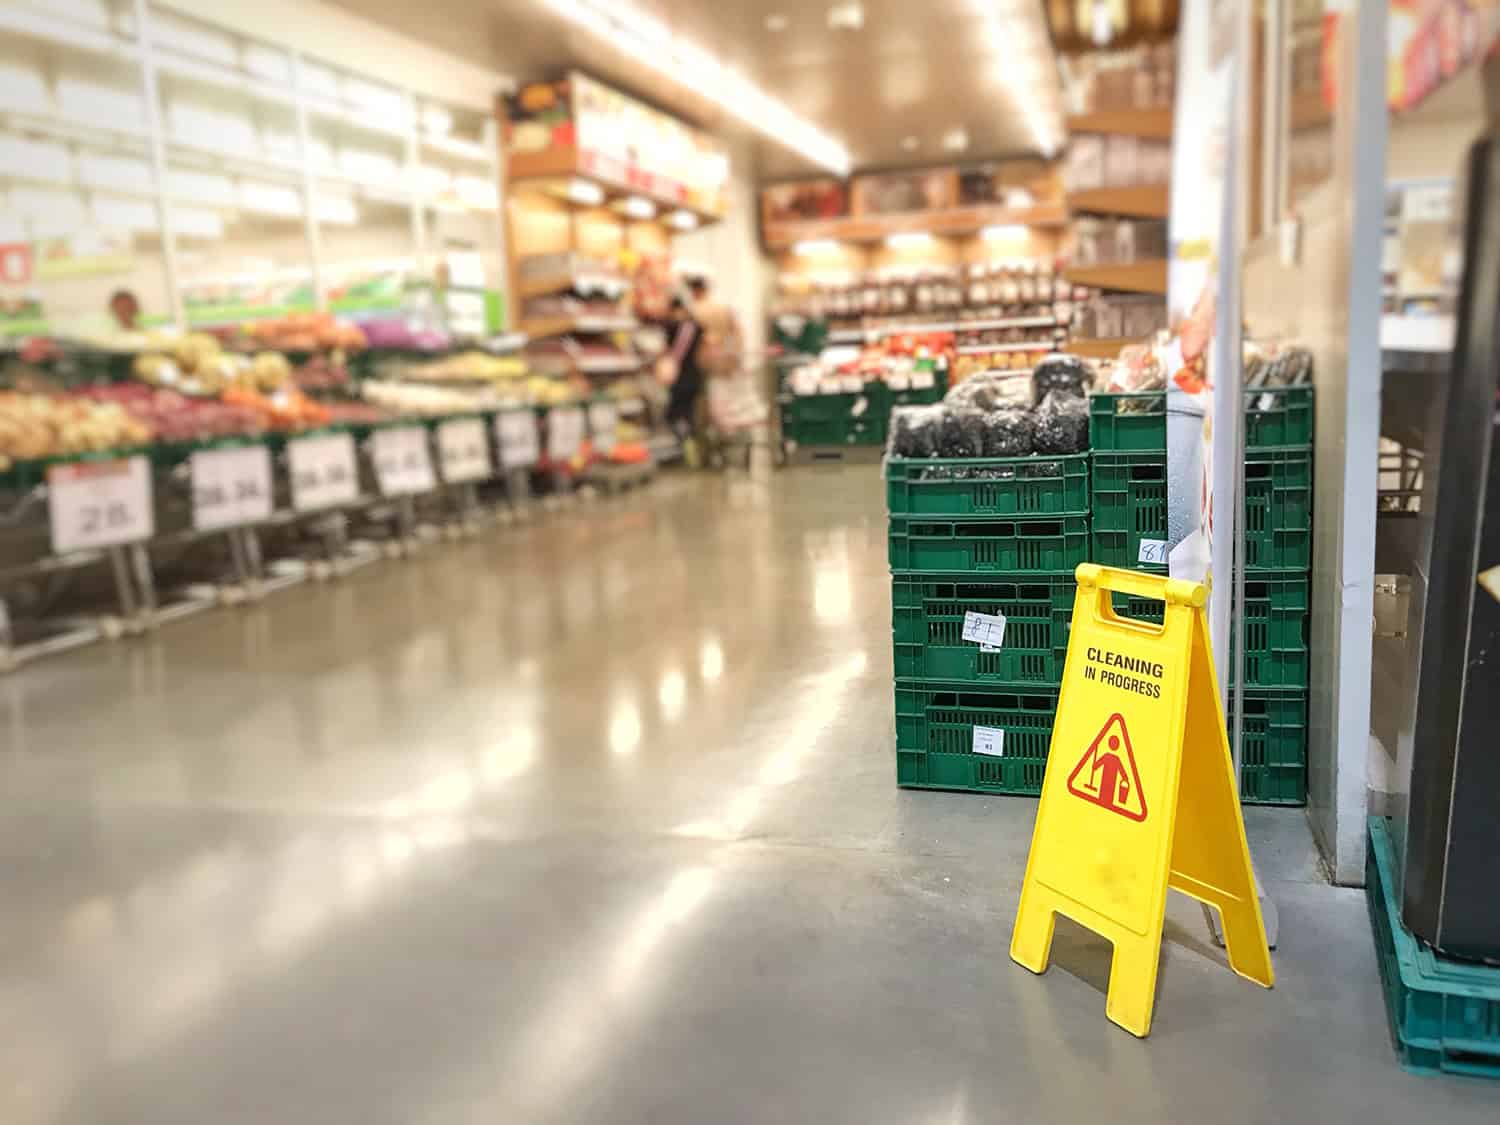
x,y
1139,794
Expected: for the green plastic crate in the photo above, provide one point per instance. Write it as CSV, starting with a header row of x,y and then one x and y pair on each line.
x,y
832,419
935,738
1278,510
1129,505
1123,423
1274,617
1273,761
1278,416
927,623
1444,1014
927,545
988,486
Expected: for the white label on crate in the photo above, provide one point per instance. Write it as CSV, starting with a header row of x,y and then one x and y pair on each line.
x,y
851,384
94,504
516,434
403,461
989,740
603,418
923,380
464,451
1153,552
231,487
1266,401
565,430
324,473
987,630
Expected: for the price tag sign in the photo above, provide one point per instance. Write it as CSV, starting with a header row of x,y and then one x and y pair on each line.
x,y
464,451
95,504
851,384
516,435
603,419
323,470
990,741
923,380
403,461
1153,552
231,487
987,630
565,429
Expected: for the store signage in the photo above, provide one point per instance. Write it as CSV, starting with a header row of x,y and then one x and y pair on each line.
x,y
15,263
464,451
565,433
989,741
603,421
403,461
324,473
94,504
1146,797
516,436
231,487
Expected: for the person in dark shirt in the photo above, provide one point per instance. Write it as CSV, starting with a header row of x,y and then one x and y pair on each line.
x,y
687,385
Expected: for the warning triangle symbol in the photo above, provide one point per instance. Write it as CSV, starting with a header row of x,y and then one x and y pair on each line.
x,y
1107,776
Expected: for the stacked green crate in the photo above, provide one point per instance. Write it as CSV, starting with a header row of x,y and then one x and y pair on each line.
x,y
1000,538
1128,434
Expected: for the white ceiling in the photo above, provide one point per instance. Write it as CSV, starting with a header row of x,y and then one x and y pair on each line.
x,y
915,70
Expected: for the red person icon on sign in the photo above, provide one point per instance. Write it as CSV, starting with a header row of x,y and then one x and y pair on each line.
x,y
1107,776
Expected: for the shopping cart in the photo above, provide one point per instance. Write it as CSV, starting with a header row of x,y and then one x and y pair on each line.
x,y
736,417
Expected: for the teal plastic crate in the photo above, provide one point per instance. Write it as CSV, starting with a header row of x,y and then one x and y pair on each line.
x,y
1278,510
1137,423
1278,417
928,545
1129,505
988,486
1274,619
838,419
1444,1014
935,738
927,623
1273,759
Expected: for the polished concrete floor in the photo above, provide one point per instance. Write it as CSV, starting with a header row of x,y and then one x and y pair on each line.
x,y
595,821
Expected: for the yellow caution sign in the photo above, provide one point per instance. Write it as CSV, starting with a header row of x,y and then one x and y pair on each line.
x,y
1139,795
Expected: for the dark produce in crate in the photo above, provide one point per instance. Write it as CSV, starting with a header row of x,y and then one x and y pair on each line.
x,y
1061,374
916,431
1062,424
963,434
1010,433
991,390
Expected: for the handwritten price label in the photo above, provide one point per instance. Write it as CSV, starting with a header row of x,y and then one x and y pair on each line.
x,y
516,435
403,461
603,419
95,504
324,474
464,451
1153,552
231,487
565,430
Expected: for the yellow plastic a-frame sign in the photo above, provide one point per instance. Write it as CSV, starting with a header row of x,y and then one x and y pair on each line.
x,y
1139,794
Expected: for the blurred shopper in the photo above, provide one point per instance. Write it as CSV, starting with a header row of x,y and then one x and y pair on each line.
x,y
722,344
681,368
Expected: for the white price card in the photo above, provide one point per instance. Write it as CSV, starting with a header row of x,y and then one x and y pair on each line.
x,y
516,435
403,461
324,473
231,487
603,418
901,382
987,630
1153,552
990,741
565,430
923,380
851,384
464,451
94,504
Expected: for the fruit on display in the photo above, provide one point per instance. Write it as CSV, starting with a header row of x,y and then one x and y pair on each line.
x,y
403,399
197,364
172,417
465,367
322,373
306,332
34,426
287,409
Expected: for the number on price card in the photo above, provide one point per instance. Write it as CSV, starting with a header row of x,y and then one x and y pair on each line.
x,y
516,435
565,429
231,487
403,461
324,474
464,451
603,420
93,504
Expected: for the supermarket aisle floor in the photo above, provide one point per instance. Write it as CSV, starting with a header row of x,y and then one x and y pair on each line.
x,y
594,821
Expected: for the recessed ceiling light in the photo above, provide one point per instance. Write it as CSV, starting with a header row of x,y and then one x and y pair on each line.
x,y
683,220
581,191
638,207
846,17
911,144
777,23
956,140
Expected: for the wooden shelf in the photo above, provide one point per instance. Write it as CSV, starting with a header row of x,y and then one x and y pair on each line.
x,y
1099,349
561,283
953,223
1129,277
539,328
1151,124
1145,201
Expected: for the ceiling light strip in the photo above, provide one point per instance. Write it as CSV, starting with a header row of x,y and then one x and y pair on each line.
x,y
649,41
